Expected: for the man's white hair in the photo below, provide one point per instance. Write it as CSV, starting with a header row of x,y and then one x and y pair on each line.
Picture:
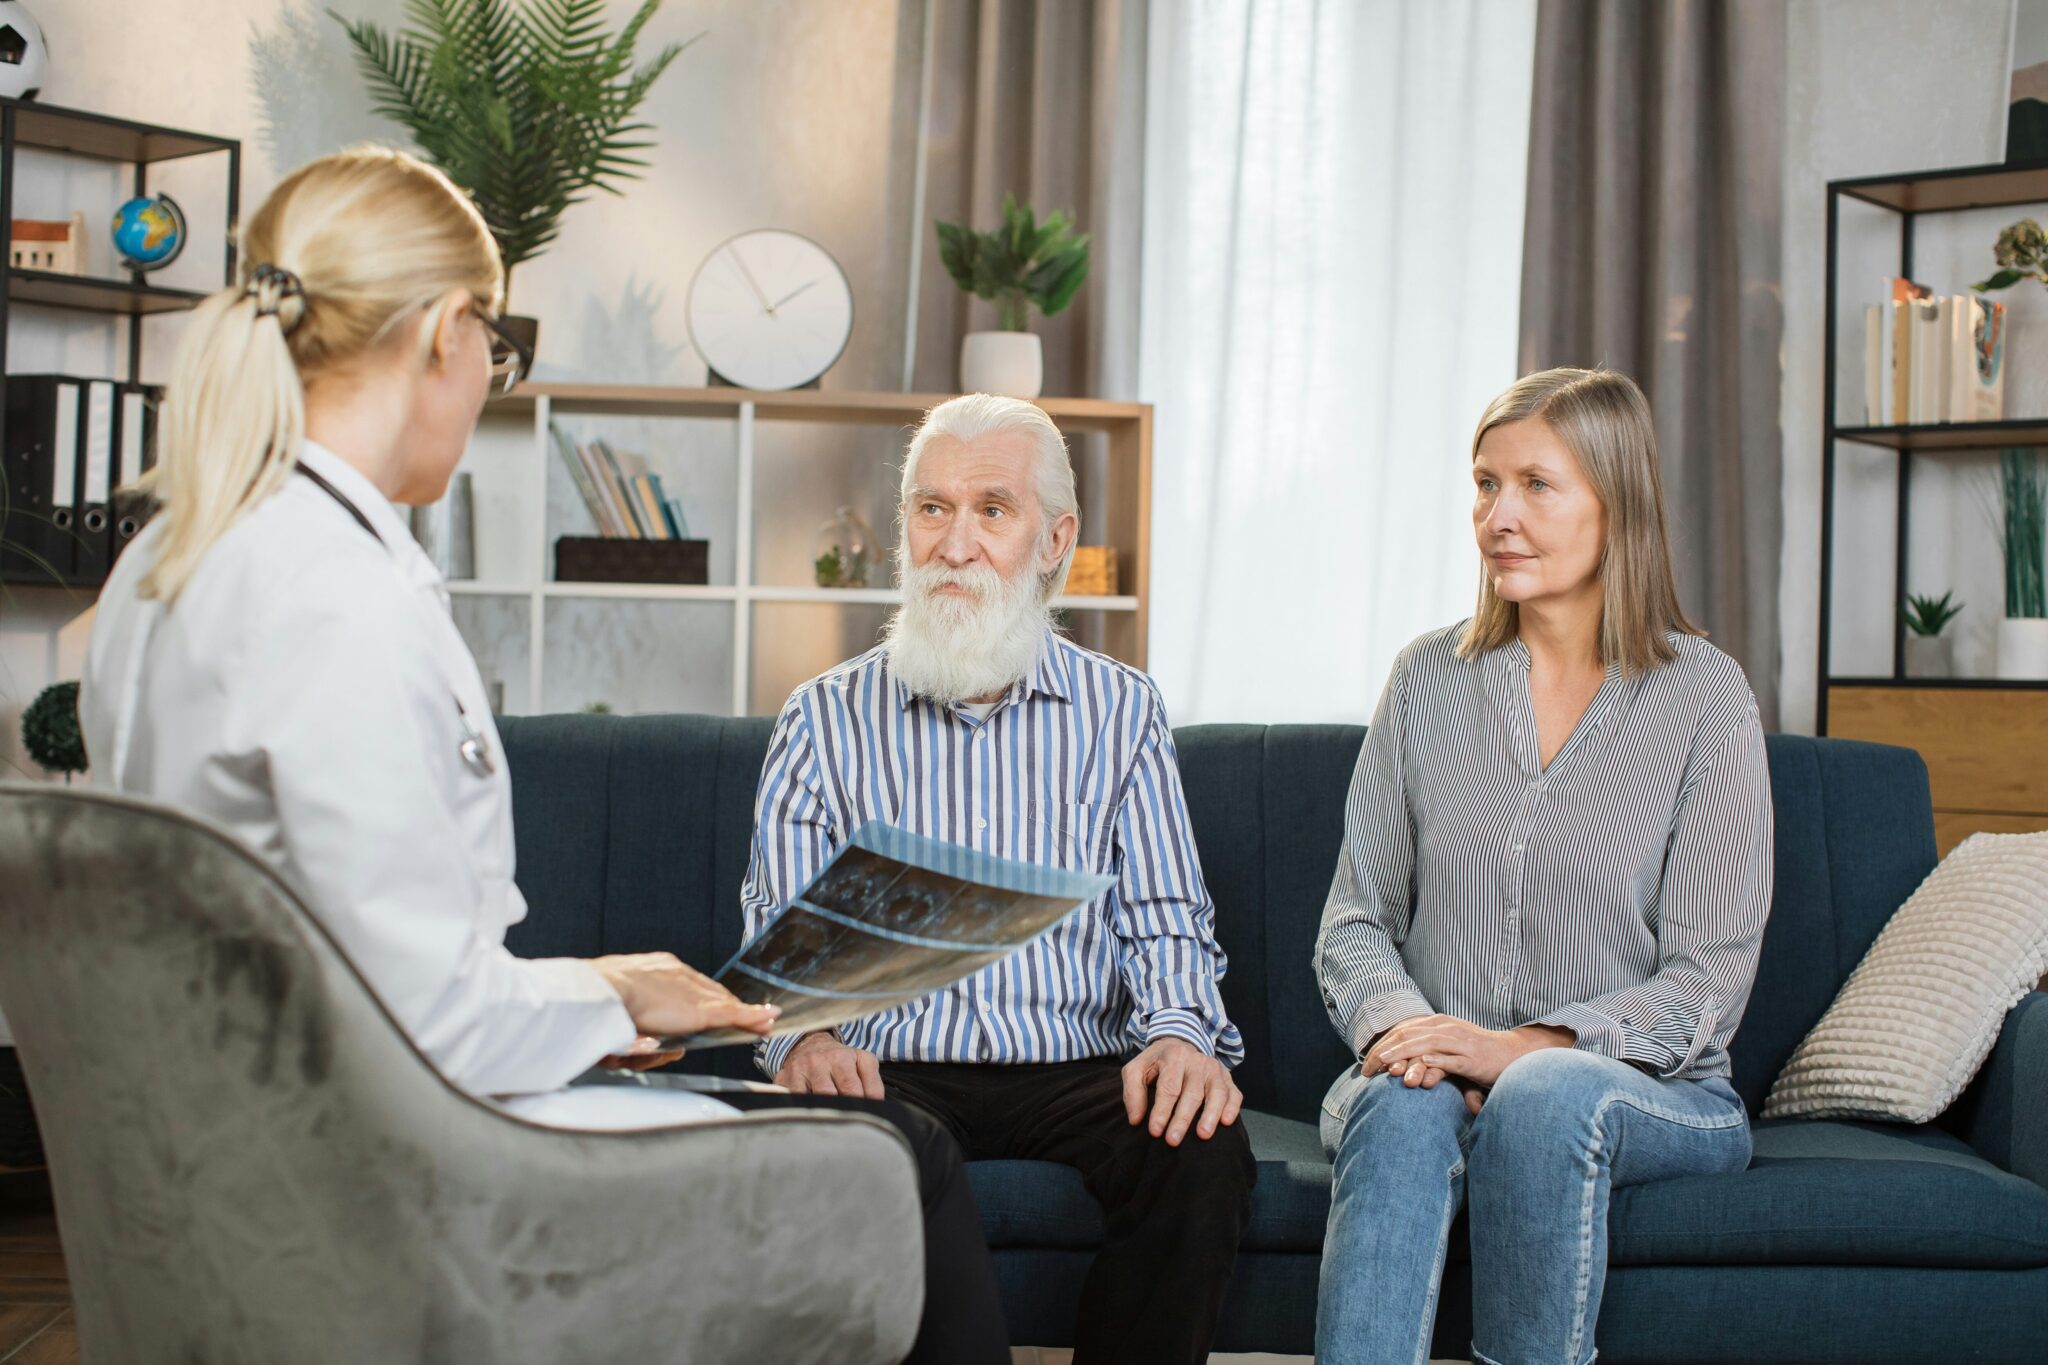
x,y
975,415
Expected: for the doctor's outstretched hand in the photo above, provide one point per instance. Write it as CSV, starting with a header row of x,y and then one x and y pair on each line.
x,y
664,995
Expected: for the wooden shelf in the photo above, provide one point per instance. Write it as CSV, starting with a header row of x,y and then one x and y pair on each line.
x,y
518,488
87,293
1954,190
687,592
1934,437
101,136
1947,684
807,405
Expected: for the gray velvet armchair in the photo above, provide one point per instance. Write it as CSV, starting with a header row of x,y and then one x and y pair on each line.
x,y
253,1164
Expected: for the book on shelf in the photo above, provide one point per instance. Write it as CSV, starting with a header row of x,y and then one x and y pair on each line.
x,y
647,502
1932,360
580,474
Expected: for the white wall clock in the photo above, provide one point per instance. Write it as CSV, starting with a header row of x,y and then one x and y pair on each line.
x,y
770,310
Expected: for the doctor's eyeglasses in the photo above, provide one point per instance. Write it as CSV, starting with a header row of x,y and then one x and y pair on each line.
x,y
511,358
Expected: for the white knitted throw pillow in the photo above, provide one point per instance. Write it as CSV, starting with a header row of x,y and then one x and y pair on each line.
x,y
1919,1014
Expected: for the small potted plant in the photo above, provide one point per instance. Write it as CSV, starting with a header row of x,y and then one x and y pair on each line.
x,y
2023,634
50,733
2021,253
1929,653
1023,264
528,107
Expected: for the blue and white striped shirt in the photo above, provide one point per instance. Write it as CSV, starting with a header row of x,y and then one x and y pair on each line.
x,y
1074,768
1621,892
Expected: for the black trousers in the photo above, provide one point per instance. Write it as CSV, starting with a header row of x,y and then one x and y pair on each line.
x,y
1173,1215
963,1312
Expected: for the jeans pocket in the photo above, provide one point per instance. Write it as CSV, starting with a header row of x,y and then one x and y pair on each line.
x,y
1337,1103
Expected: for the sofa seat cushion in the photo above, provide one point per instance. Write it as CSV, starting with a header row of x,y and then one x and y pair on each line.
x,y
1040,1204
1816,1193
1839,1193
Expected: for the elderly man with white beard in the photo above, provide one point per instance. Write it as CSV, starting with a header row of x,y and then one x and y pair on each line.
x,y
1103,1044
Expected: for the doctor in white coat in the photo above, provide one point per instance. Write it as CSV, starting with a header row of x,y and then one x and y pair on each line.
x,y
275,651
276,654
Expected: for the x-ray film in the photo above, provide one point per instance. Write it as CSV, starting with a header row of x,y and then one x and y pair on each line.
x,y
892,918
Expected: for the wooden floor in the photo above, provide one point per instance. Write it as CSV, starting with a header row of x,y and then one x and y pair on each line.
x,y
35,1296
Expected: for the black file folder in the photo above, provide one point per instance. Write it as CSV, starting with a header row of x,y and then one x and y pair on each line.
x,y
45,425
135,439
95,544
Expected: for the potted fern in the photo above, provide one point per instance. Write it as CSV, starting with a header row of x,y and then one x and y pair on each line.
x,y
526,104
2023,634
1929,653
1023,264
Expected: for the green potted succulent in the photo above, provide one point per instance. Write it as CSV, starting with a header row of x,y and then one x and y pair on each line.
x,y
1929,653
526,104
2023,633
1022,265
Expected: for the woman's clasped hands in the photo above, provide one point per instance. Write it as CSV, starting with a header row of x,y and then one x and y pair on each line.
x,y
1430,1048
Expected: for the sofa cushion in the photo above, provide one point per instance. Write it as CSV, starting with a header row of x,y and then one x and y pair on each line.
x,y
1816,1193
1839,1193
1854,834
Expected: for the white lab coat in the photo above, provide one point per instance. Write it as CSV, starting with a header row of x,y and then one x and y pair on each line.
x,y
303,692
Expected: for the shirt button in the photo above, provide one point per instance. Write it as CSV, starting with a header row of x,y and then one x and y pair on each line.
x,y
981,824
1518,848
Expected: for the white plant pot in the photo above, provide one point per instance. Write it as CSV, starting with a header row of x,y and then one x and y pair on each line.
x,y
1008,363
1930,656
2023,647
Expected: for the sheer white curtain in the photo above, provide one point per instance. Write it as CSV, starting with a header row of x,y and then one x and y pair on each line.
x,y
1332,263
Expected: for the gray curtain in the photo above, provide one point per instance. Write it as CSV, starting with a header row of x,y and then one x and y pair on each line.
x,y
1652,247
1046,99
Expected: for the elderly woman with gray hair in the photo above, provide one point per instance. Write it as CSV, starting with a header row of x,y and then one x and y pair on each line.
x,y
1546,914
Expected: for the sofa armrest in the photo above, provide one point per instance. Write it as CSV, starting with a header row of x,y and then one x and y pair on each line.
x,y
793,1236
2008,1120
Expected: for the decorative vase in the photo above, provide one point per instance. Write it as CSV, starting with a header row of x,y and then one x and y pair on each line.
x,y
843,552
1930,656
2023,647
1008,363
24,56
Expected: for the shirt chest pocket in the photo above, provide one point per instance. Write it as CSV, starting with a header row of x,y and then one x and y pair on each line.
x,y
1066,834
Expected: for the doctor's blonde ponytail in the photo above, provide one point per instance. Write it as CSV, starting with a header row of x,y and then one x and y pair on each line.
x,y
345,250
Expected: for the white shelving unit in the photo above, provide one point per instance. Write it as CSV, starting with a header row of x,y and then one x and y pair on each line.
x,y
512,479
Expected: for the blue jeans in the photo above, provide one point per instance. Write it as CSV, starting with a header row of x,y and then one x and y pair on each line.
x,y
1559,1130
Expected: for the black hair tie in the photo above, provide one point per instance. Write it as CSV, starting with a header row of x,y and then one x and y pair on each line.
x,y
270,286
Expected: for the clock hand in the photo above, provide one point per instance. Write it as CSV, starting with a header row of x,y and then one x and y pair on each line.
x,y
752,284
790,295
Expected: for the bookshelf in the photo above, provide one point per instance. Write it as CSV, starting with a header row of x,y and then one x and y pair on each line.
x,y
98,137
521,491
1977,734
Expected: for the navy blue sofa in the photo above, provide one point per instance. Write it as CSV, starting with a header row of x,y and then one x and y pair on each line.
x,y
1849,1242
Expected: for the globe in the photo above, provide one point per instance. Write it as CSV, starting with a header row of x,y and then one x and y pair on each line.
x,y
149,232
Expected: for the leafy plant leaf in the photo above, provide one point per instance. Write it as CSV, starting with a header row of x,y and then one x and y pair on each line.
x,y
528,106
1020,265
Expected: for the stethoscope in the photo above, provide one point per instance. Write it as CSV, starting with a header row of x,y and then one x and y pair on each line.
x,y
475,748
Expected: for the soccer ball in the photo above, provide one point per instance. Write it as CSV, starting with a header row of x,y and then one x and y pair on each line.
x,y
24,56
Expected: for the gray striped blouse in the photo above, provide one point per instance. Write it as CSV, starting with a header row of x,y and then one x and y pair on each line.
x,y
1620,893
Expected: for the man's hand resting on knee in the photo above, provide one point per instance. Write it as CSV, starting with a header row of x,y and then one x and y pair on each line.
x,y
1183,1087
822,1065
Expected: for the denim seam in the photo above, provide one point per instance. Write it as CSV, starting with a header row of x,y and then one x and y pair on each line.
x,y
1584,1287
1443,1246
1739,1120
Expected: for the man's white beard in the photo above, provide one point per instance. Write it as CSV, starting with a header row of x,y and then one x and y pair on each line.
x,y
951,648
